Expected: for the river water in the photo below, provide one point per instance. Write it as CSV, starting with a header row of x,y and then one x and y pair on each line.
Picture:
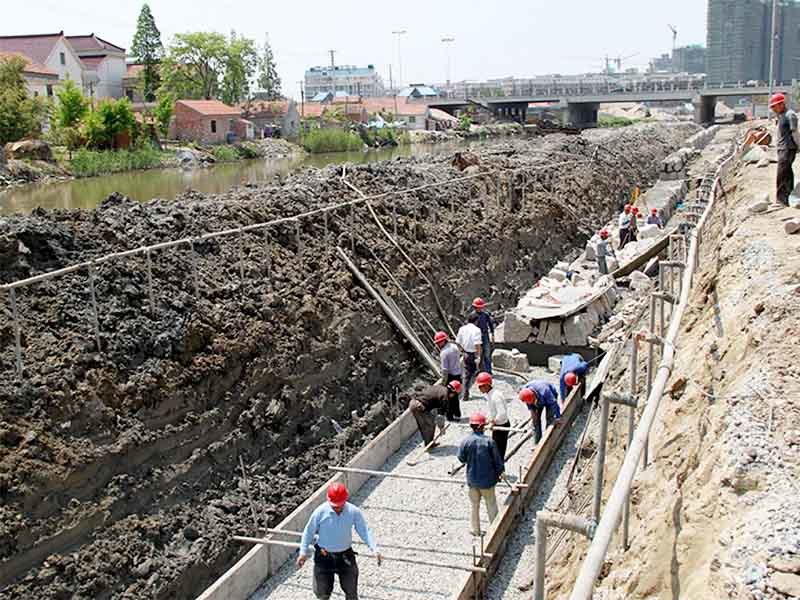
x,y
169,183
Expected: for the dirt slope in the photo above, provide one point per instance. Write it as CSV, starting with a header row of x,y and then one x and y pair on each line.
x,y
119,469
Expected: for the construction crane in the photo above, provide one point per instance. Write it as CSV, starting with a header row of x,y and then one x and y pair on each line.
x,y
674,31
619,60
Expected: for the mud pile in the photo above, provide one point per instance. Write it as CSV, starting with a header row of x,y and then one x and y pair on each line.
x,y
120,469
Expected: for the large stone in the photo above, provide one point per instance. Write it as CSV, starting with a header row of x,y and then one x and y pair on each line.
x,y
516,329
640,282
30,150
553,334
591,251
755,154
577,329
787,584
785,564
554,363
792,226
511,360
648,232
557,274
759,205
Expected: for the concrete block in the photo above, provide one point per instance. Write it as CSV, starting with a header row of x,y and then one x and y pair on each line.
x,y
540,339
577,329
553,334
647,232
511,360
640,282
593,315
516,329
554,363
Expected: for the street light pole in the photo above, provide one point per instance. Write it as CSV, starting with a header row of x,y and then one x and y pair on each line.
x,y
447,41
772,46
398,33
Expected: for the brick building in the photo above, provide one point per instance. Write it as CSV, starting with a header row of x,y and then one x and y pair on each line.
x,y
208,122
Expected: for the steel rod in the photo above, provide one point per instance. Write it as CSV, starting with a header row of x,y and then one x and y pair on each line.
x,y
626,515
372,473
12,294
601,458
651,359
95,314
545,519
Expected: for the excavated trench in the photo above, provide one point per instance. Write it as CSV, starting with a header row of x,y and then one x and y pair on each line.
x,y
120,470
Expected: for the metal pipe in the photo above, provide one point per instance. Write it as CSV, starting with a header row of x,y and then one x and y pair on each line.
x,y
632,388
545,519
12,294
595,558
651,359
373,473
95,315
601,458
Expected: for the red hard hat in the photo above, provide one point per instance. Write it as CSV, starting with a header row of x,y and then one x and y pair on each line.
x,y
654,211
479,303
477,419
440,337
483,379
604,233
627,209
777,99
454,386
571,379
338,494
634,210
527,395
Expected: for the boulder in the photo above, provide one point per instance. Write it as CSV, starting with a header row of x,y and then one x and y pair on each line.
x,y
640,282
557,274
515,329
755,154
510,360
647,232
591,251
577,329
759,205
553,334
787,584
792,226
30,150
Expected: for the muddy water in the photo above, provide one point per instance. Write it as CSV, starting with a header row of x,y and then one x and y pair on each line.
x,y
169,183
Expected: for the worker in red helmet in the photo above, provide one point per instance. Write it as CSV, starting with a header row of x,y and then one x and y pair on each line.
x,y
573,367
624,226
655,219
333,524
788,142
540,397
450,358
469,339
633,229
430,406
497,406
486,324
485,467
604,250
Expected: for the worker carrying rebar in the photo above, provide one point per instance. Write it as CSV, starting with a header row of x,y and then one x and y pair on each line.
x,y
486,324
573,368
497,407
541,396
451,371
788,142
485,467
625,226
655,218
470,340
333,523
434,398
604,250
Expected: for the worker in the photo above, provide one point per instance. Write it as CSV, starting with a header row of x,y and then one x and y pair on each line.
x,y
451,371
655,219
787,145
469,339
433,398
540,396
625,226
635,194
573,367
604,250
486,325
485,467
333,524
633,229
498,411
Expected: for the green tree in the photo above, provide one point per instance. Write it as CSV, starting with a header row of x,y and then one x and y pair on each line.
x,y
72,105
194,64
163,112
148,50
20,115
110,119
240,66
268,79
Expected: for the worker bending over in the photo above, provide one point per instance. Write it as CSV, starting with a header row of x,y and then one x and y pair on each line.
x,y
486,325
484,468
573,367
469,339
433,398
498,411
451,371
540,396
604,250
655,219
333,524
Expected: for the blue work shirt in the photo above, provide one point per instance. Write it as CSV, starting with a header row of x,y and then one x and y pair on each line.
x,y
483,460
571,363
546,395
486,323
335,532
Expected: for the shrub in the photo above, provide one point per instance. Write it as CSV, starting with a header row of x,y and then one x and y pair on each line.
x,y
72,105
163,112
331,140
615,121
225,153
247,150
20,115
87,163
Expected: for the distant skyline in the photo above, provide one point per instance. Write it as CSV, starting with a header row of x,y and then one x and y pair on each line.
x,y
492,40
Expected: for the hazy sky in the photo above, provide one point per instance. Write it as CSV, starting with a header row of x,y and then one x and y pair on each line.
x,y
493,38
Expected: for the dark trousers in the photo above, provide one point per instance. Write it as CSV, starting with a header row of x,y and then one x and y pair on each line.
x,y
453,411
536,418
624,237
342,564
425,420
501,439
486,355
470,370
785,179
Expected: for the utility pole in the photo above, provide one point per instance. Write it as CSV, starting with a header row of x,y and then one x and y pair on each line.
x,y
772,47
394,92
333,74
447,41
302,100
398,33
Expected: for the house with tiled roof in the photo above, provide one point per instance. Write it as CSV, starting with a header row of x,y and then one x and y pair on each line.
x,y
209,122
40,80
95,64
273,118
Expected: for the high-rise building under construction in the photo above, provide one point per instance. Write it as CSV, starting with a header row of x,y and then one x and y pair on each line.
x,y
739,34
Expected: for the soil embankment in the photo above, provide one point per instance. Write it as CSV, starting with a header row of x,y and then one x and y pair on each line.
x,y
119,470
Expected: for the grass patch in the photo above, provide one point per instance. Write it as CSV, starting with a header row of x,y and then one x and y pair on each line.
x,y
331,140
615,122
224,153
88,163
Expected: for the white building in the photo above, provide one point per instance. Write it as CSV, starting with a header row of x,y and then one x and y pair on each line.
x,y
104,65
40,80
353,81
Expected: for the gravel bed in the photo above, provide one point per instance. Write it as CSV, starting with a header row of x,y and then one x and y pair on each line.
x,y
403,513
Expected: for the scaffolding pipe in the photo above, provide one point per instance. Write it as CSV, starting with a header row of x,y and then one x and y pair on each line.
x,y
595,558
626,516
545,519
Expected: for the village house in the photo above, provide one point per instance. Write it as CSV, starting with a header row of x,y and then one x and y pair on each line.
x,y
39,79
273,118
95,65
209,122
